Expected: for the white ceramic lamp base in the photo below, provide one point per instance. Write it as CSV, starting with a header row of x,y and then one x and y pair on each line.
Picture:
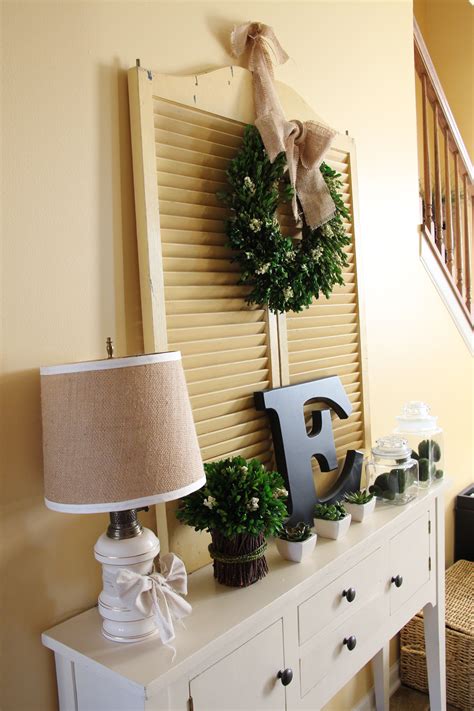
x,y
120,623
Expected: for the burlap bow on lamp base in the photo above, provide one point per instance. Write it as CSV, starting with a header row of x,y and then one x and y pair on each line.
x,y
118,435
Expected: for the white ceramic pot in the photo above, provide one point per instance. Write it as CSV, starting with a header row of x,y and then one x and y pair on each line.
x,y
359,512
332,529
296,550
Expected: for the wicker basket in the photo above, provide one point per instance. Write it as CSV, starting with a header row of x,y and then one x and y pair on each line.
x,y
459,641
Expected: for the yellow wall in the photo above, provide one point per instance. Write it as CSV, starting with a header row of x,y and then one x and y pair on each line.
x,y
69,258
447,27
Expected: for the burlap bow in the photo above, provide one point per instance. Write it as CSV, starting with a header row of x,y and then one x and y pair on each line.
x,y
157,593
304,143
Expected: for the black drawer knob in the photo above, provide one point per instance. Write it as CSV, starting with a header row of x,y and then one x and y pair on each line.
x,y
398,581
286,676
350,642
349,594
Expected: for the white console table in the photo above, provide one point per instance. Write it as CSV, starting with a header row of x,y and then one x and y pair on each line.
x,y
238,640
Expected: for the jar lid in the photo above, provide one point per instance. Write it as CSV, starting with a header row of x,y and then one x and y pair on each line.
x,y
416,417
392,447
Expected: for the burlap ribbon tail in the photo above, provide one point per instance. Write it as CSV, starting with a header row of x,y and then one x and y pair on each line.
x,y
304,143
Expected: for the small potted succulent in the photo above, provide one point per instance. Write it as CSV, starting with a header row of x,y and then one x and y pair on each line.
x,y
296,542
331,520
359,504
240,504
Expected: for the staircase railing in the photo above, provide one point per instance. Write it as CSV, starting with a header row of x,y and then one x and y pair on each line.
x,y
446,183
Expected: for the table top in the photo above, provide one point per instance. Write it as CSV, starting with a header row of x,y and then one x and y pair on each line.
x,y
218,610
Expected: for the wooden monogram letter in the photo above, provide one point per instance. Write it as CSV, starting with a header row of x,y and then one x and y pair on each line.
x,y
294,447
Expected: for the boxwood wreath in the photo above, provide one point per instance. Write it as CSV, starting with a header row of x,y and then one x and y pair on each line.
x,y
283,273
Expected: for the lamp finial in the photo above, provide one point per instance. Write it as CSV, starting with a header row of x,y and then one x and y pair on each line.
x,y
109,346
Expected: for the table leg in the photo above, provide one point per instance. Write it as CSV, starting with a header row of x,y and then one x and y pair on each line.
x,y
381,670
434,622
67,695
435,645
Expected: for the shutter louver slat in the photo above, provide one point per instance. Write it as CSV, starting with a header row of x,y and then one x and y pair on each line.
x,y
198,117
207,413
184,155
182,127
252,316
173,179
225,422
195,251
190,196
189,170
212,335
193,143
241,347
241,364
222,396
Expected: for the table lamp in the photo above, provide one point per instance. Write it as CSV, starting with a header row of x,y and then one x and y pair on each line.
x,y
118,436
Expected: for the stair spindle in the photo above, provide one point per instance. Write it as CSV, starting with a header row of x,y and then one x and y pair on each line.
x,y
458,226
467,243
428,217
438,208
449,206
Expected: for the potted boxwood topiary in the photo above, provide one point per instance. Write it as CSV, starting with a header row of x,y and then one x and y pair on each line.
x,y
359,504
296,542
240,504
331,520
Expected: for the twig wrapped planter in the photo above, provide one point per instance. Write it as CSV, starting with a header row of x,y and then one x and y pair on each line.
x,y
240,505
239,561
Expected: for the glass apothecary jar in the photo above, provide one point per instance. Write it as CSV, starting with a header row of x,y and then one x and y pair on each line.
x,y
391,472
425,438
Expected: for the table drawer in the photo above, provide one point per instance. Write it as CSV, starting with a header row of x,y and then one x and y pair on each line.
x,y
328,605
410,559
246,678
327,653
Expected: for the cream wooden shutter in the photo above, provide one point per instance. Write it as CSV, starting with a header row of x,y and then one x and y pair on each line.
x,y
326,339
185,130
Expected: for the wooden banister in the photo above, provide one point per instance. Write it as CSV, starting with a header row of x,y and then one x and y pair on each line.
x,y
447,214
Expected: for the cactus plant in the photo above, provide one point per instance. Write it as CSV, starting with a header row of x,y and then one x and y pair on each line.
x,y
426,469
330,512
300,532
358,497
429,449
387,486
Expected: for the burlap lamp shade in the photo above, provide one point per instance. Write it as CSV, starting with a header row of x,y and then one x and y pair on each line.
x,y
118,434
